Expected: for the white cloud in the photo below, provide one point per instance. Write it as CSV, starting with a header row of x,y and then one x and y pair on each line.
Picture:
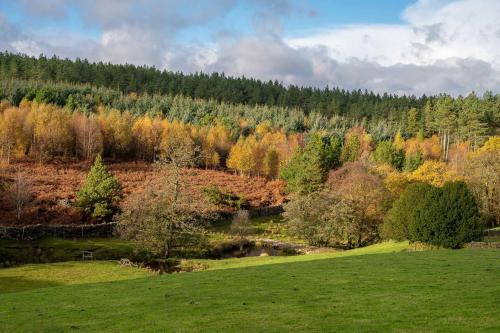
x,y
433,31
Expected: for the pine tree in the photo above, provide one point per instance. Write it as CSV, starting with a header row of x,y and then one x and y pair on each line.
x,y
471,126
101,192
413,122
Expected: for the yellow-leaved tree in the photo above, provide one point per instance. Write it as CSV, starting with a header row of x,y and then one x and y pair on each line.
x,y
482,173
13,138
434,172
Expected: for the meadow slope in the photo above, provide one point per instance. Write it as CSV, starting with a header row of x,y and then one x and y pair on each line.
x,y
431,291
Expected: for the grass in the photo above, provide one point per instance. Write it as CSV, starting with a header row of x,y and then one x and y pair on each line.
x,y
49,275
364,290
385,247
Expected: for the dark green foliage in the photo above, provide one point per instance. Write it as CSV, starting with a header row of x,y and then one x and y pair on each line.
x,y
413,161
308,168
447,217
387,153
398,219
143,79
215,196
100,194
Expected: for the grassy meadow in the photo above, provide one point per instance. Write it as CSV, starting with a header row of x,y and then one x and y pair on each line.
x,y
375,289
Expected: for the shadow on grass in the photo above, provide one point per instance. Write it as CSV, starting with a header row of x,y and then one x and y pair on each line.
x,y
12,284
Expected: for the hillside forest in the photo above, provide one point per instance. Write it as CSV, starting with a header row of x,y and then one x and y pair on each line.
x,y
357,160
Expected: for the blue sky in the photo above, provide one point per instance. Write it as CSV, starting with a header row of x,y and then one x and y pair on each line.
x,y
306,16
398,46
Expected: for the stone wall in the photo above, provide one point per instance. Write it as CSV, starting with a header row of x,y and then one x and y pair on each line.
x,y
38,231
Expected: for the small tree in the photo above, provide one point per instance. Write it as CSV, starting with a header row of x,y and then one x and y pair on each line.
x,y
447,217
352,149
241,226
19,193
324,219
101,192
162,219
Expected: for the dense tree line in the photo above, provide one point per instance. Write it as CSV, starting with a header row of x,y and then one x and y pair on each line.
x,y
461,119
46,131
144,79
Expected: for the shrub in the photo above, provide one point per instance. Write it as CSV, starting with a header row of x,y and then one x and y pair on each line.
x,y
215,196
310,217
101,192
398,219
447,217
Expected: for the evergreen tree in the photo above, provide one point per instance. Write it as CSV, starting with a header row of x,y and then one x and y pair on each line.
x,y
398,219
413,161
471,126
101,192
388,154
447,216
413,122
308,168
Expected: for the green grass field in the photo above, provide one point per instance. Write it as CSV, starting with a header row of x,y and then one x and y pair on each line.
x,y
35,276
367,290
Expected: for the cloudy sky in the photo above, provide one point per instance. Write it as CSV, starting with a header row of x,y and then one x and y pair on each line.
x,y
397,46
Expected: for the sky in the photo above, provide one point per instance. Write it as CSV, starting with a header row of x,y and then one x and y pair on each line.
x,y
411,47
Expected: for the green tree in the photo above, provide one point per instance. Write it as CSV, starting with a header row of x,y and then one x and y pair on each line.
x,y
388,154
447,217
398,219
413,161
471,126
445,120
413,122
308,167
101,192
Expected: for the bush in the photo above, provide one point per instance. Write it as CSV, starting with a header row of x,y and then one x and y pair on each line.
x,y
447,216
388,154
215,196
398,219
101,192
